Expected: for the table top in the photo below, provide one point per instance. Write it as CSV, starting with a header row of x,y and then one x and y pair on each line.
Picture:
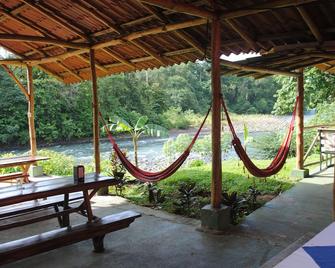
x,y
20,160
35,190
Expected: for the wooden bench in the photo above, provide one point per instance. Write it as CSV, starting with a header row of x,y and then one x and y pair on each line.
x,y
22,248
17,210
12,176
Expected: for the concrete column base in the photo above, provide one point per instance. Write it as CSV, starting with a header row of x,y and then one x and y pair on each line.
x,y
215,220
36,171
300,173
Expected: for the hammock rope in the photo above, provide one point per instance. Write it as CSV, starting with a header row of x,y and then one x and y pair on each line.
x,y
281,156
146,176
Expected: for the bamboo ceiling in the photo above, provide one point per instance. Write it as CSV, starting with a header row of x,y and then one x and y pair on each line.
x,y
55,35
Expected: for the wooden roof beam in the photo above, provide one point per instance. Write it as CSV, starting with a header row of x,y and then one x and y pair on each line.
x,y
259,8
142,59
181,8
179,33
150,51
39,39
98,65
244,35
69,70
121,40
17,81
235,65
118,57
310,23
152,31
50,15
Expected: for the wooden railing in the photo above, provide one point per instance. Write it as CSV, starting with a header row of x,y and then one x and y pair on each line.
x,y
324,157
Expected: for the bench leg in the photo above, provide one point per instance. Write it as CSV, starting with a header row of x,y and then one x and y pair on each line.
x,y
66,216
59,218
98,243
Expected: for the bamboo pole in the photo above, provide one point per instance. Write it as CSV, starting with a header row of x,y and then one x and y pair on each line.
x,y
300,122
216,186
95,112
31,111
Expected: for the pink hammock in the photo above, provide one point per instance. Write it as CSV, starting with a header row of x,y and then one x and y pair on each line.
x,y
280,158
146,176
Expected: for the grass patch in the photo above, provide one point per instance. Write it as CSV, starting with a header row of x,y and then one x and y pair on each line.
x,y
235,179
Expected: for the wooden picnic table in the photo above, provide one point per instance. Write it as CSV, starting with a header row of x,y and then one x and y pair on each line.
x,y
24,162
94,227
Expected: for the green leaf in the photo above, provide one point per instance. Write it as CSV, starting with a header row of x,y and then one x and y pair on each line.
x,y
120,125
141,122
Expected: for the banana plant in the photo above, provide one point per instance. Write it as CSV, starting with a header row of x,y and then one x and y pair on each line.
x,y
137,130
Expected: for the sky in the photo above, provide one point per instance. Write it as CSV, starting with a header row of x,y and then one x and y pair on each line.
x,y
232,57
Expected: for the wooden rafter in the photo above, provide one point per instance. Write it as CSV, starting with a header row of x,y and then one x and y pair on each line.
x,y
97,65
69,70
310,23
118,57
39,39
152,31
181,8
129,37
245,35
144,59
150,51
180,33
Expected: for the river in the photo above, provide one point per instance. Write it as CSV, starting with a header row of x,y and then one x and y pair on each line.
x,y
151,149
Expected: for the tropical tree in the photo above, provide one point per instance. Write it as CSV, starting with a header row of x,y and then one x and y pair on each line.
x,y
136,130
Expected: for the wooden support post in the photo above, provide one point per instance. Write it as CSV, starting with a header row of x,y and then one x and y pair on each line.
x,y
95,112
31,111
216,188
300,122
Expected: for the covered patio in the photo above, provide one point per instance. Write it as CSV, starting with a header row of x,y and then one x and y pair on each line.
x,y
85,39
161,239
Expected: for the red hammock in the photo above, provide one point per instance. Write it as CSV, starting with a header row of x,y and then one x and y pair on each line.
x,y
280,158
146,176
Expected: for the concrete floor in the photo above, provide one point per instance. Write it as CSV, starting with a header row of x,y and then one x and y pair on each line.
x,y
159,239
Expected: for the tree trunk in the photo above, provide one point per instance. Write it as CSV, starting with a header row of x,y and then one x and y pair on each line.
x,y
135,150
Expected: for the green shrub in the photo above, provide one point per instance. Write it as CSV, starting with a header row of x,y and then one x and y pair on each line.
x,y
175,118
9,169
58,164
203,146
196,163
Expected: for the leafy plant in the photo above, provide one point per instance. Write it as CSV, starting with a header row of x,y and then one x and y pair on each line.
x,y
136,130
155,195
186,198
237,204
252,197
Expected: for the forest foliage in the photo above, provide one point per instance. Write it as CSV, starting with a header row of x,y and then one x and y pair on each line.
x,y
172,97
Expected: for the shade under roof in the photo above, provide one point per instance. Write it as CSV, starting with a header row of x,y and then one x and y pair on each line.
x,y
55,35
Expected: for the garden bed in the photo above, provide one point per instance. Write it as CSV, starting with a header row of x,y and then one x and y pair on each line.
x,y
188,190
